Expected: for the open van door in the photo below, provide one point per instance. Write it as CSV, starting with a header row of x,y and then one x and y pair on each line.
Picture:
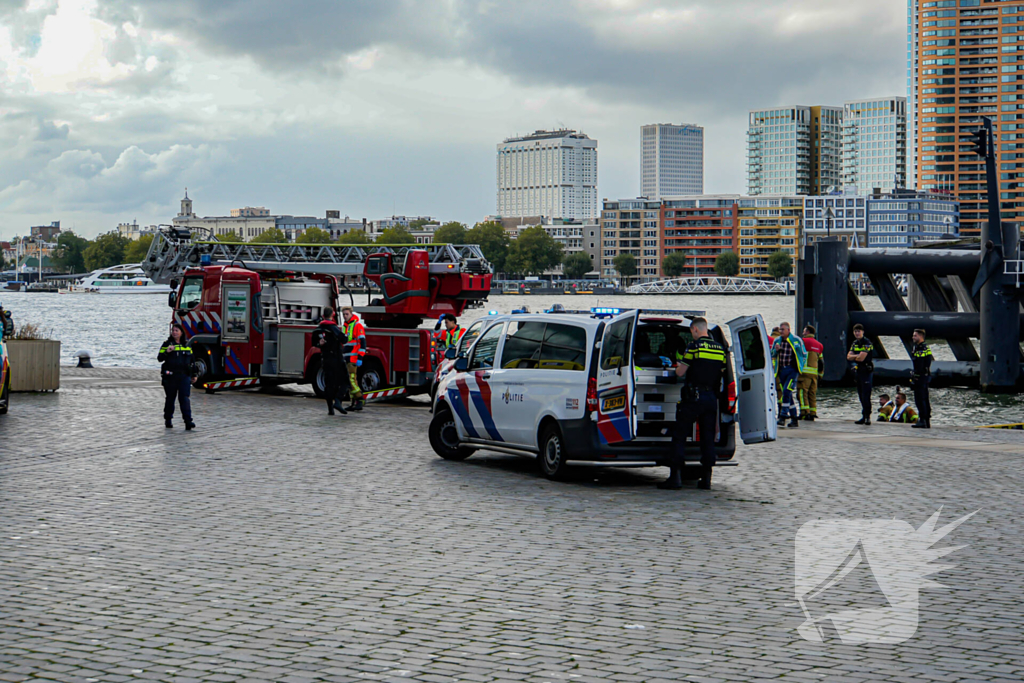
x,y
616,385
755,380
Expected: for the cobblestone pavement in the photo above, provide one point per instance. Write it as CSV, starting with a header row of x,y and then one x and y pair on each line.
x,y
278,544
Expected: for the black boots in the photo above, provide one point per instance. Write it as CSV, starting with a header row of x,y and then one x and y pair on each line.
x,y
356,405
922,424
863,421
189,426
794,423
674,481
168,424
705,478
340,407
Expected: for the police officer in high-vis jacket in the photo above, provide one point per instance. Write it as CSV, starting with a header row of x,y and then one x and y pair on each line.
x,y
922,377
702,365
177,373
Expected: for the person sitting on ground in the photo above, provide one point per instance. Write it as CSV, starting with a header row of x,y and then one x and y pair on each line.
x,y
902,412
885,407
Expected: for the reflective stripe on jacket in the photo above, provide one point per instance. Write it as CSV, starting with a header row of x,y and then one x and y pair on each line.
x,y
355,349
799,352
815,357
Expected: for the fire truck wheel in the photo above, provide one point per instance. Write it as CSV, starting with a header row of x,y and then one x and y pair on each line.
x,y
444,438
318,378
371,376
202,364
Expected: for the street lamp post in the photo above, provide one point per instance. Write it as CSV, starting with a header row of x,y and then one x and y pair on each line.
x,y
830,216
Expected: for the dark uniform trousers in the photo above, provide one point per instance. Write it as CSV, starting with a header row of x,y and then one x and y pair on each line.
x,y
335,380
177,387
703,411
921,398
864,384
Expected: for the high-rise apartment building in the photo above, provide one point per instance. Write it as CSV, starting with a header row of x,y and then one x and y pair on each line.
x,y
875,144
671,160
768,225
548,173
794,150
700,227
911,93
968,62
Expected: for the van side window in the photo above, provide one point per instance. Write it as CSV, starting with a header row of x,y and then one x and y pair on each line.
x,y
486,348
565,348
470,336
752,349
522,345
614,346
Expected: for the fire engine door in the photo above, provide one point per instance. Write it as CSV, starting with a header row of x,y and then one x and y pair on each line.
x,y
235,314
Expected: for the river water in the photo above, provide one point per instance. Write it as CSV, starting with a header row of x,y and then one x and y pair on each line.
x,y
126,330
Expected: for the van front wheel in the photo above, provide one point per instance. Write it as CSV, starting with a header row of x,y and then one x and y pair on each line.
x,y
444,437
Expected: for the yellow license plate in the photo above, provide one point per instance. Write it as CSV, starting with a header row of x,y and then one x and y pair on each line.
x,y
610,404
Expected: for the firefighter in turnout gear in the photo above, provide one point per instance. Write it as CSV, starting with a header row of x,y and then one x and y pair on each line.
x,y
860,356
885,407
702,364
902,412
329,338
177,373
807,384
452,334
921,378
354,351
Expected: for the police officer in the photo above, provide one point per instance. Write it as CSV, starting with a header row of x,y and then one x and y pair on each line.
x,y
922,376
703,367
177,373
330,339
6,323
860,356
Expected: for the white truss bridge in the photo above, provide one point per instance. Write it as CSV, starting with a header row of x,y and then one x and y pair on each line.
x,y
711,285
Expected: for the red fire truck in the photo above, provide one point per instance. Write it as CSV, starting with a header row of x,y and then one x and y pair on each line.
x,y
249,310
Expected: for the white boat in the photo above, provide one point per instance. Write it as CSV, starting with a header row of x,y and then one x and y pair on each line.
x,y
127,278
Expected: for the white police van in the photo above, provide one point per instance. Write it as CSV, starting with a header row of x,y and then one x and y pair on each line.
x,y
594,389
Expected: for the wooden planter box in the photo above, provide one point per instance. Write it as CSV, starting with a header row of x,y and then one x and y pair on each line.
x,y
35,364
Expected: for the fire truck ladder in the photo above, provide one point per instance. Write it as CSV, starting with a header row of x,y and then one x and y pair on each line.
x,y
175,249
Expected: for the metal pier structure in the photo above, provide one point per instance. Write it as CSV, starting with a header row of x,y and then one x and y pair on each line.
x,y
712,285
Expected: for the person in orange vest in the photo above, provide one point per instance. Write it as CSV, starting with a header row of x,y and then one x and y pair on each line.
x,y
354,352
453,333
807,384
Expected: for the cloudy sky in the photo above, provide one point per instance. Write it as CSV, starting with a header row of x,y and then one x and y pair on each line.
x,y
109,108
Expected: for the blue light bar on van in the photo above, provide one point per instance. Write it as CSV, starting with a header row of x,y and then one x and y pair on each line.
x,y
605,312
492,313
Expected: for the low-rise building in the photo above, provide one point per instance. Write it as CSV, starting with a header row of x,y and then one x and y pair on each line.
x,y
900,218
768,224
632,226
842,215
701,227
574,236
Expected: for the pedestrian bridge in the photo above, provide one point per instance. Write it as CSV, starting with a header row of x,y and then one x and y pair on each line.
x,y
711,285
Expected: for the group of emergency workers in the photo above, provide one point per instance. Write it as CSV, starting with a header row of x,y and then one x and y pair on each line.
x,y
342,348
799,362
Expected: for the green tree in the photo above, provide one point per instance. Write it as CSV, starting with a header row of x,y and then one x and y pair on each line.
x,y
230,237
69,256
533,252
106,251
138,249
450,233
490,236
419,223
674,264
396,235
576,266
625,264
314,235
355,237
780,264
270,236
727,264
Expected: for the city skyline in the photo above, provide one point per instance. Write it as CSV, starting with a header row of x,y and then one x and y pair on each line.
x,y
113,107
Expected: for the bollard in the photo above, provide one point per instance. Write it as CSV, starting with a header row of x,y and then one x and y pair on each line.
x,y
84,359
1000,322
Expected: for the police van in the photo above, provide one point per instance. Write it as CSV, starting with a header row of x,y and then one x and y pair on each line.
x,y
595,388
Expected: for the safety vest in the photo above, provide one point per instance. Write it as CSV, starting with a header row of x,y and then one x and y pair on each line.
x,y
799,351
452,337
356,334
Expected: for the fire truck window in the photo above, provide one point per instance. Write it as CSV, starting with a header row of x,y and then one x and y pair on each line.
x,y
522,345
565,348
486,348
191,293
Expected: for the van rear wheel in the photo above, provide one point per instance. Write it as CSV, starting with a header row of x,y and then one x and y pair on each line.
x,y
444,437
552,456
